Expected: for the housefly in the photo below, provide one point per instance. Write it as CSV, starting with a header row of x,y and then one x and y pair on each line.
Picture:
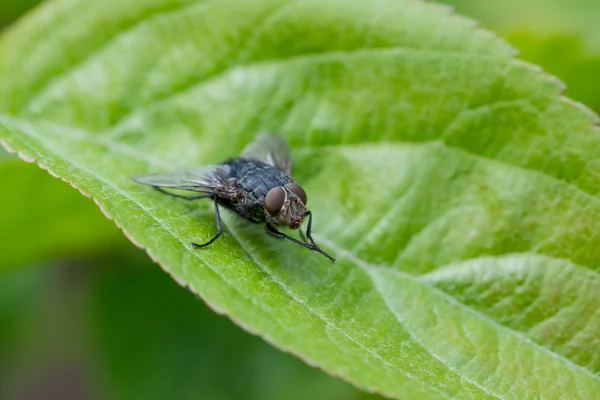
x,y
257,185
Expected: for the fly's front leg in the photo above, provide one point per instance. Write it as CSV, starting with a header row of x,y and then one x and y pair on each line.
x,y
309,229
309,236
271,230
219,229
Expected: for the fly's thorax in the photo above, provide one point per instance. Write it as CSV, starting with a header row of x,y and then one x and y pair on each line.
x,y
285,205
256,178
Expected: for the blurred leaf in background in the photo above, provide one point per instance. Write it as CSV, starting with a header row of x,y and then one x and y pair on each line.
x,y
43,217
562,36
10,10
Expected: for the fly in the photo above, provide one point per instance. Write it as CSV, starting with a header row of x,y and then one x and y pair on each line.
x,y
257,185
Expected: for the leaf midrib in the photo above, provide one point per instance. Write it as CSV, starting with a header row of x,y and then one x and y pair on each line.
x,y
268,62
305,57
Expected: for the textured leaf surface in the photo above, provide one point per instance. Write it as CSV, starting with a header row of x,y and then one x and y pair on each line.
x,y
456,187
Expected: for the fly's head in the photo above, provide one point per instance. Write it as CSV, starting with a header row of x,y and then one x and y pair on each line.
x,y
286,205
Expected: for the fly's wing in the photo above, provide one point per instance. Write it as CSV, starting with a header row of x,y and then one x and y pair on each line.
x,y
272,149
210,179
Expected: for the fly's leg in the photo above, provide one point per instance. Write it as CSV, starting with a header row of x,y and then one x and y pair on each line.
x,y
219,229
308,234
271,230
309,228
180,196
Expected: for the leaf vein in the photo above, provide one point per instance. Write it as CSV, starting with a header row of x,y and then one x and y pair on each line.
x,y
342,252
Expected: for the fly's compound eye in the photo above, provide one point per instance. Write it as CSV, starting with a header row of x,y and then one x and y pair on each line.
x,y
274,201
298,191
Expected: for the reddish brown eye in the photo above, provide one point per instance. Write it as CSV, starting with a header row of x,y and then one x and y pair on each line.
x,y
298,191
274,201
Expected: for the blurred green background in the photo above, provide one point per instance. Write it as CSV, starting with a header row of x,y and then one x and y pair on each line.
x,y
85,315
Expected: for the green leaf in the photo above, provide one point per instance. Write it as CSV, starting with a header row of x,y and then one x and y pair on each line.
x,y
43,217
561,36
434,162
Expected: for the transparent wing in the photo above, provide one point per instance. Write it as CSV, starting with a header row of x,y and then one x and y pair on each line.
x,y
272,149
210,179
